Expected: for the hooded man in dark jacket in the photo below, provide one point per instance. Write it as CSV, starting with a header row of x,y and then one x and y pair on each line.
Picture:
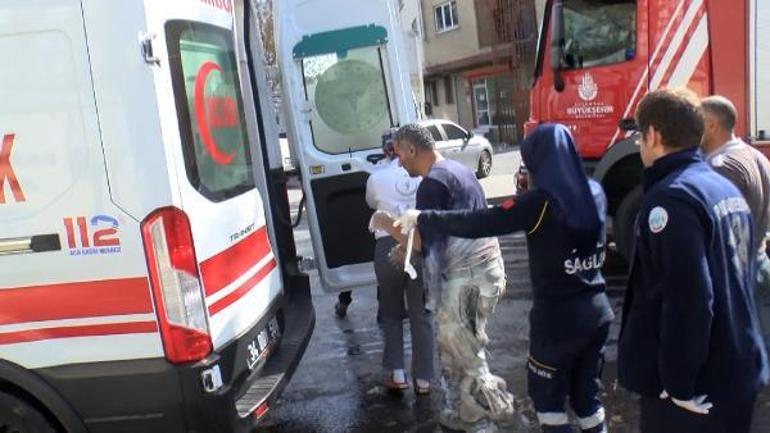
x,y
563,216
690,343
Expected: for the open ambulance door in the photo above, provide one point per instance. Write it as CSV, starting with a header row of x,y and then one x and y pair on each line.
x,y
209,135
345,79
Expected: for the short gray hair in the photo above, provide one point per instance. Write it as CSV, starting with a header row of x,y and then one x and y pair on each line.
x,y
723,109
417,135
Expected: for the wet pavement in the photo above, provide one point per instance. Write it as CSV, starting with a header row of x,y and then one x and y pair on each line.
x,y
337,387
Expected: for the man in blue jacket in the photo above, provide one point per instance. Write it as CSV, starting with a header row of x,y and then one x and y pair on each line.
x,y
690,343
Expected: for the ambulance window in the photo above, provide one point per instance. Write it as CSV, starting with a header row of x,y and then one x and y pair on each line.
x,y
210,109
349,97
598,32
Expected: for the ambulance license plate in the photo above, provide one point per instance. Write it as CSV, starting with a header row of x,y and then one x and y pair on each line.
x,y
260,347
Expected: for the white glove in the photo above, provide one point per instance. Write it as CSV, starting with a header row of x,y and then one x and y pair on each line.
x,y
697,404
407,221
408,267
381,220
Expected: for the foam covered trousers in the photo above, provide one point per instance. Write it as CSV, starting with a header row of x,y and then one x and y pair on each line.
x,y
468,299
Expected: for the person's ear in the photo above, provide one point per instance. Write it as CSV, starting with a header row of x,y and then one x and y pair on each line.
x,y
656,137
647,136
711,124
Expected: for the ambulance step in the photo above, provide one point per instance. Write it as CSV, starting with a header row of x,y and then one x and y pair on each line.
x,y
271,377
300,318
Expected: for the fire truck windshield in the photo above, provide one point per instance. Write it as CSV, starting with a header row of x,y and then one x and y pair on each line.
x,y
598,32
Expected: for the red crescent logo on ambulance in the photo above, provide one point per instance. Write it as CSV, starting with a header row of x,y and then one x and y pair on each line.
x,y
200,114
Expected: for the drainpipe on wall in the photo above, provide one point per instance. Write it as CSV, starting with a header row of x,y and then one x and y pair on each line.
x,y
456,99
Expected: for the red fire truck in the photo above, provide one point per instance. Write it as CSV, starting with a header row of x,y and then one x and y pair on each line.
x,y
598,58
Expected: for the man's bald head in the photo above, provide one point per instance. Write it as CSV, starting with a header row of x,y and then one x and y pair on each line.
x,y
722,109
720,117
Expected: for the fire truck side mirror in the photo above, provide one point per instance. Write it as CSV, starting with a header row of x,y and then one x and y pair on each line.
x,y
628,125
557,44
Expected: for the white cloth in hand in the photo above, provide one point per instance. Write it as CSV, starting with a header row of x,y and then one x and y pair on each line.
x,y
697,404
407,221
381,220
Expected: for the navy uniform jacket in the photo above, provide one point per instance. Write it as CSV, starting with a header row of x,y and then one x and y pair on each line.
x,y
569,297
689,322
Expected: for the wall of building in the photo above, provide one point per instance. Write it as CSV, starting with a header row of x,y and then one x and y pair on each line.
x,y
410,16
451,45
480,48
540,11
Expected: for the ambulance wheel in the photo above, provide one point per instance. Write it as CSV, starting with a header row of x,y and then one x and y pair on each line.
x,y
485,165
625,218
18,416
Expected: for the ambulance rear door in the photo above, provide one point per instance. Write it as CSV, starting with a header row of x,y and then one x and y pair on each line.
x,y
206,135
345,77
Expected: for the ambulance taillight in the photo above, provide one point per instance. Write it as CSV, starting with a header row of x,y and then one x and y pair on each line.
x,y
179,300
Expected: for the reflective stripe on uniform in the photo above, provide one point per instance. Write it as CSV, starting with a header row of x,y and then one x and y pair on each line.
x,y
592,421
552,418
539,220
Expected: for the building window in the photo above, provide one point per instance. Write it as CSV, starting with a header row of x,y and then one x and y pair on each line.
x,y
449,89
446,16
433,93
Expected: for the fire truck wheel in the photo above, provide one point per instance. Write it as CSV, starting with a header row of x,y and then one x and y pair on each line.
x,y
623,225
18,416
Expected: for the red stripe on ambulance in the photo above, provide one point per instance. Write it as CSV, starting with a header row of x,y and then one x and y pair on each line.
x,y
78,331
75,300
220,270
243,289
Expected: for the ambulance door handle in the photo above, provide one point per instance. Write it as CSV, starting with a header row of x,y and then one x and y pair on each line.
x,y
30,244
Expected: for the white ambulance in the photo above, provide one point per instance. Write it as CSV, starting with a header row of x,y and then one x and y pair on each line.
x,y
147,265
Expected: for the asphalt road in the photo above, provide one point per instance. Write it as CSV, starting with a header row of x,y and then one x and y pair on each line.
x,y
337,387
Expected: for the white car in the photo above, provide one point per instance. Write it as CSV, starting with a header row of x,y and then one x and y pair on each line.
x,y
455,142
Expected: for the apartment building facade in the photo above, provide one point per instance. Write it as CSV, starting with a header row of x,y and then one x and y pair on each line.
x,y
478,58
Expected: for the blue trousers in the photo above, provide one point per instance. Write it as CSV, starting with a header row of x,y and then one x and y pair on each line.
x,y
663,416
557,369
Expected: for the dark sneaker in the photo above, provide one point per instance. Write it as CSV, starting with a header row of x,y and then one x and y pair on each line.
x,y
340,310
